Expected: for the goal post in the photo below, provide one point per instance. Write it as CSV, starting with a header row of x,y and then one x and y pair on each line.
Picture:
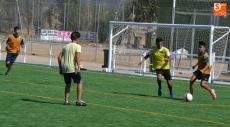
x,y
219,53
128,41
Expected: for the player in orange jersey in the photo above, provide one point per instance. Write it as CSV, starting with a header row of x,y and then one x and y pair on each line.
x,y
13,45
203,71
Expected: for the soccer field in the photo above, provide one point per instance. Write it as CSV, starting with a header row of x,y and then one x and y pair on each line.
x,y
32,96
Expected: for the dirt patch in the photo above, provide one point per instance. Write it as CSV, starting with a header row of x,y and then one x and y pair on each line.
x,y
93,56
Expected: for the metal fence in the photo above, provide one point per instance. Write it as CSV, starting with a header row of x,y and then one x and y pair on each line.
x,y
70,15
46,53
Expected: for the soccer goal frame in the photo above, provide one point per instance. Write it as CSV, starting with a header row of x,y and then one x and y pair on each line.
x,y
111,59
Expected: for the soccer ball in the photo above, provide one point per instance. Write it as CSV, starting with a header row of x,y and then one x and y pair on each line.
x,y
188,97
105,69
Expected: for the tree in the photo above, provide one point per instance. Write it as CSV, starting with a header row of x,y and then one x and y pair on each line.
x,y
71,16
48,14
26,14
144,10
106,15
7,15
87,17
103,31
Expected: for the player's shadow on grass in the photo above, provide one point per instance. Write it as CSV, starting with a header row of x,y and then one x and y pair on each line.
x,y
144,95
44,102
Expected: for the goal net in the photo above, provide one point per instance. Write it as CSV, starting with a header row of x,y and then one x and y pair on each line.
x,y
129,42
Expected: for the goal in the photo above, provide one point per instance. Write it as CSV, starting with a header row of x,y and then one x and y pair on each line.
x,y
130,41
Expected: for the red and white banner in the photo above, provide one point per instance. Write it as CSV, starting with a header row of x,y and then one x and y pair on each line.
x,y
57,35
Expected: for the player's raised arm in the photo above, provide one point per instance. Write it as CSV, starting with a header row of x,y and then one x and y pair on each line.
x,y
145,58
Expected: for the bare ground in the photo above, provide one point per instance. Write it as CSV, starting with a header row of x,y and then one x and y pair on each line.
x,y
93,56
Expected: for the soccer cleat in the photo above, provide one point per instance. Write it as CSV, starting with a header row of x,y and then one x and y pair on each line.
x,y
159,92
6,74
172,95
66,103
213,93
80,103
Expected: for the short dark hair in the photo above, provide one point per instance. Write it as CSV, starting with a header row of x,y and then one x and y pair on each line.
x,y
16,28
75,35
202,43
159,39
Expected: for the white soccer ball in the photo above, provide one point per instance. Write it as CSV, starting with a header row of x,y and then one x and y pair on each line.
x,y
188,97
105,69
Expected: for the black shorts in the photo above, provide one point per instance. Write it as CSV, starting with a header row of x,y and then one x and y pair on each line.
x,y
201,76
76,78
165,73
11,57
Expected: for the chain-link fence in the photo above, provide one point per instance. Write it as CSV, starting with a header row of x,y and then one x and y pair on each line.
x,y
62,15
69,16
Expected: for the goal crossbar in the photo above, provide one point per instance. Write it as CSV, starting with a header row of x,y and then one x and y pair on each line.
x,y
160,24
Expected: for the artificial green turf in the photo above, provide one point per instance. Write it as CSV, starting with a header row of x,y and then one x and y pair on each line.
x,y
32,96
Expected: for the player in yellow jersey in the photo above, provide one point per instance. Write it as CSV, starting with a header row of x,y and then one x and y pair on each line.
x,y
13,45
161,59
203,71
